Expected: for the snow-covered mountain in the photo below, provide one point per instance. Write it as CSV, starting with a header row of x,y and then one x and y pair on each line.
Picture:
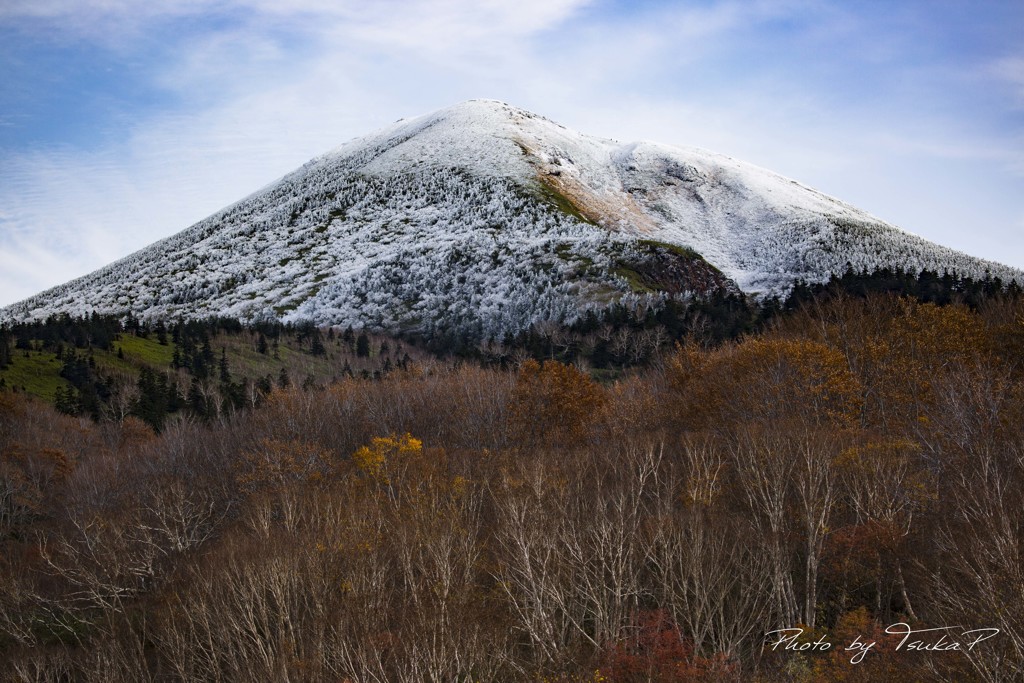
x,y
481,219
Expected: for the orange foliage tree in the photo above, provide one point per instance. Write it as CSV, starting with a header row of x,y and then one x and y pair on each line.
x,y
554,402
762,381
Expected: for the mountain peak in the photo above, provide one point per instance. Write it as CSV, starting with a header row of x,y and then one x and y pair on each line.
x,y
488,110
484,136
483,218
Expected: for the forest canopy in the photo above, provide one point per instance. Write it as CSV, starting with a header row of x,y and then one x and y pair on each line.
x,y
851,463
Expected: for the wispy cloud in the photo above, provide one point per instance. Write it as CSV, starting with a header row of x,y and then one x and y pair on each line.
x,y
1010,71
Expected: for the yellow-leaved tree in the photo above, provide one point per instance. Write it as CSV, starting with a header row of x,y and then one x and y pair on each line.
x,y
387,457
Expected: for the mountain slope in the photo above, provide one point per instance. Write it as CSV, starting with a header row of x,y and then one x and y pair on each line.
x,y
481,219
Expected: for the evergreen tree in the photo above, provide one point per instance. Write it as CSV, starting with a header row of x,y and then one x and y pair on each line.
x,y
363,345
151,406
317,346
131,324
5,348
65,401
225,371
234,396
75,369
207,351
175,402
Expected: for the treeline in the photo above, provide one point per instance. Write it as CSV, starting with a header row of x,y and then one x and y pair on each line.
x,y
926,286
611,339
857,463
621,337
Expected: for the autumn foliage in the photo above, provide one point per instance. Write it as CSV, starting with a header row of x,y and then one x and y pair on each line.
x,y
656,652
553,402
857,464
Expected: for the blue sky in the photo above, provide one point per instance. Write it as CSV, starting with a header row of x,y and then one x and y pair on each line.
x,y
123,122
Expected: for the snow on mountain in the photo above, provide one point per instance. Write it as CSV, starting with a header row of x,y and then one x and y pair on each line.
x,y
481,219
